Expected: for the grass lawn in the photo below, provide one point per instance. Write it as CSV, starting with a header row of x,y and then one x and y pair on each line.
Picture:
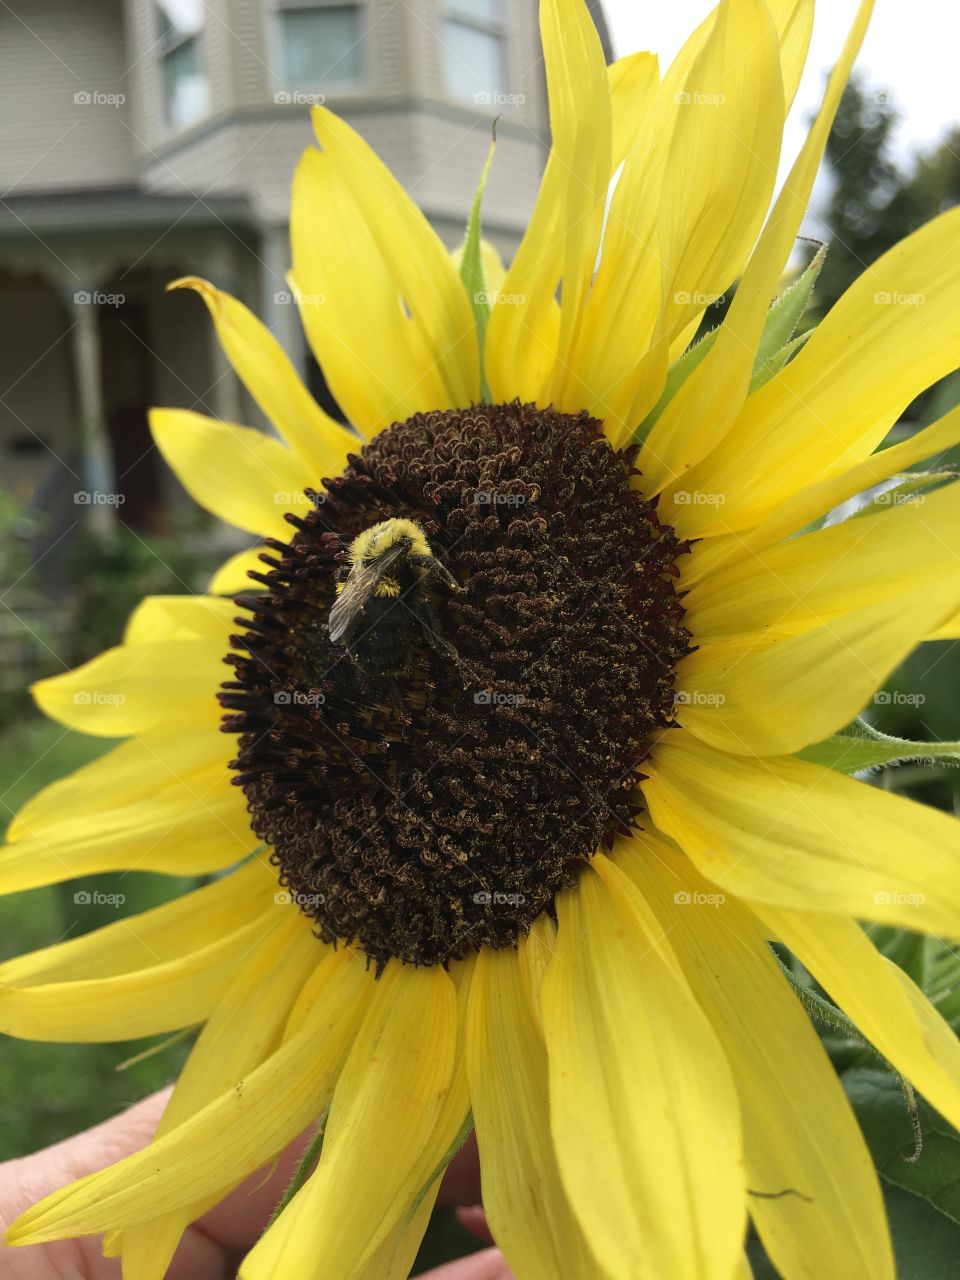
x,y
48,1092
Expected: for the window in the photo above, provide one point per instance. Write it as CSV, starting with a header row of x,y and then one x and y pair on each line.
x,y
474,51
319,45
186,91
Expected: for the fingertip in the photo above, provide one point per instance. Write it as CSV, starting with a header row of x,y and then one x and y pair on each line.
x,y
489,1264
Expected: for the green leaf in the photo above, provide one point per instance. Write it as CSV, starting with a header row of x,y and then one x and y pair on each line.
x,y
785,314
863,747
909,487
471,264
934,1176
942,980
907,950
926,1244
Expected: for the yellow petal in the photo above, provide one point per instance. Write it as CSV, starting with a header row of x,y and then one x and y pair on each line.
x,y
614,377
794,22
799,1130
182,829
524,326
528,337
771,694
816,500
384,1114
643,1109
722,158
129,689
319,441
385,312
160,803
395,1257
719,122
159,935
701,412
233,575
795,835
149,1001
159,618
879,998
228,1139
523,1197
633,84
581,127
624,300
127,775
125,980
949,630
534,954
240,475
794,586
895,331
241,1033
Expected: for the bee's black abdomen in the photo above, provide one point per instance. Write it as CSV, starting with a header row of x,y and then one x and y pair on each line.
x,y
384,641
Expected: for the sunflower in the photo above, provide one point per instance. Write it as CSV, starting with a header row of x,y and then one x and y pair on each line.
x,y
508,853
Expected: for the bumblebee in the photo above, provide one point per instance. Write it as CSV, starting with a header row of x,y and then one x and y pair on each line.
x,y
386,591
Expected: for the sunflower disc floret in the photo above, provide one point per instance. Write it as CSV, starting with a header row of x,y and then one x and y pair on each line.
x,y
427,813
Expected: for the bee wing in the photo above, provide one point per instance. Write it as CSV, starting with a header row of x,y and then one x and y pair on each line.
x,y
352,600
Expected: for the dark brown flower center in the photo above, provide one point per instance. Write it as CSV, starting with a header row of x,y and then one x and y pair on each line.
x,y
435,799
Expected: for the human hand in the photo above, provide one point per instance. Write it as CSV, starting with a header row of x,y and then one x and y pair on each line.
x,y
213,1247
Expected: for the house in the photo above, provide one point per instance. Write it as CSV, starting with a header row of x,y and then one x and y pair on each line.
x,y
143,140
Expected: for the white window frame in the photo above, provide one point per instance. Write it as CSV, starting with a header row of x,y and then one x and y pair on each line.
x,y
336,88
498,27
170,42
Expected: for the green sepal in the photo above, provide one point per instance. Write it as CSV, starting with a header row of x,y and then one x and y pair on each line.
x,y
471,265
308,1162
460,1137
910,486
677,375
862,747
777,342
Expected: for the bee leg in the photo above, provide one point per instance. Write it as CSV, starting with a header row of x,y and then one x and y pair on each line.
x,y
442,574
427,618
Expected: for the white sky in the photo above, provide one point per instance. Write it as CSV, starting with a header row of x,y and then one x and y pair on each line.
x,y
910,50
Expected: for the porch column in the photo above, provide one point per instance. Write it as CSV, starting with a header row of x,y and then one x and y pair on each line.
x,y
99,494
278,308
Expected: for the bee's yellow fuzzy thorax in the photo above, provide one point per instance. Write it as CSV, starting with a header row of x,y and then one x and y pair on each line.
x,y
381,537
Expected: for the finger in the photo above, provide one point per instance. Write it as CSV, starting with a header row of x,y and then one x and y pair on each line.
x,y
488,1265
473,1219
23,1182
239,1220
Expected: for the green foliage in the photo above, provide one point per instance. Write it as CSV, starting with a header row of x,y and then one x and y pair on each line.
x,y
865,182
115,573
48,1092
932,1179
25,636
